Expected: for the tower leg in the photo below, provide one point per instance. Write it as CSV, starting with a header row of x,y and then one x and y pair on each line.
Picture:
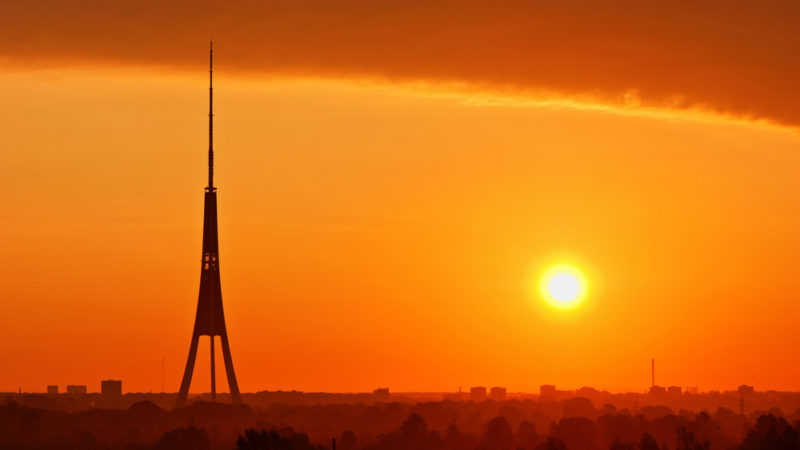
x,y
213,372
187,373
236,397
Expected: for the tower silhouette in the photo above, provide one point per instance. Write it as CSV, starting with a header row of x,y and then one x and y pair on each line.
x,y
210,319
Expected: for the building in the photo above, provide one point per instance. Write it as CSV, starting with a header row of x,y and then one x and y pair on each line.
x,y
52,389
674,390
76,389
547,392
477,394
657,390
497,393
111,388
381,392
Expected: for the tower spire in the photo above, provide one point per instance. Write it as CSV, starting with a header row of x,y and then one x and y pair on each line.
x,y
210,318
211,115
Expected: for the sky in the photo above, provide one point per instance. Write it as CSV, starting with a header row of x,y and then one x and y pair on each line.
x,y
394,179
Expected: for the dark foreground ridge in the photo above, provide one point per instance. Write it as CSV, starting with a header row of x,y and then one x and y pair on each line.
x,y
575,423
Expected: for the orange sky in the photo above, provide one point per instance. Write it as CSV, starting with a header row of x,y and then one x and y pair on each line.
x,y
382,227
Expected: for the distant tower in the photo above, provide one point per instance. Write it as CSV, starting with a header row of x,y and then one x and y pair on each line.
x,y
744,389
210,320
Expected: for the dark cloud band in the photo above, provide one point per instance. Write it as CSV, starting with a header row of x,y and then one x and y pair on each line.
x,y
733,57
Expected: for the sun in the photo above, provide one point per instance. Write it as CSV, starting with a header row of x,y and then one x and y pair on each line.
x,y
563,286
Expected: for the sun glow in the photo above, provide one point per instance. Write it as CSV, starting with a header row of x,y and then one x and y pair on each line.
x,y
563,286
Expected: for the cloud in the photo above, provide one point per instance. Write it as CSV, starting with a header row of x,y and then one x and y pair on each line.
x,y
733,57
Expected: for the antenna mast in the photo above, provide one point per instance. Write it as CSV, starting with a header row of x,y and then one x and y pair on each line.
x,y
210,115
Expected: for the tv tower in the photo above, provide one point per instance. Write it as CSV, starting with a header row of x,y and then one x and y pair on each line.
x,y
210,319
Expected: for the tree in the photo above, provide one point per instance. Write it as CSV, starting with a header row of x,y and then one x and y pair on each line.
x,y
413,434
190,438
347,441
274,439
498,435
414,427
577,433
771,433
552,444
453,438
619,444
647,442
527,438
687,441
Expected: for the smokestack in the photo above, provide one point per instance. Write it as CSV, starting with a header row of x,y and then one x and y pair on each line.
x,y
653,371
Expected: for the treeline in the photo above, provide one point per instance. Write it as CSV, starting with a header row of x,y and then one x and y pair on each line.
x,y
425,426
768,433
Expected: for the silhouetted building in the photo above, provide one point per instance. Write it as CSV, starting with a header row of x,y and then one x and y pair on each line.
x,y
381,392
477,394
547,392
76,389
658,390
745,389
111,388
497,393
674,390
52,389
209,319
